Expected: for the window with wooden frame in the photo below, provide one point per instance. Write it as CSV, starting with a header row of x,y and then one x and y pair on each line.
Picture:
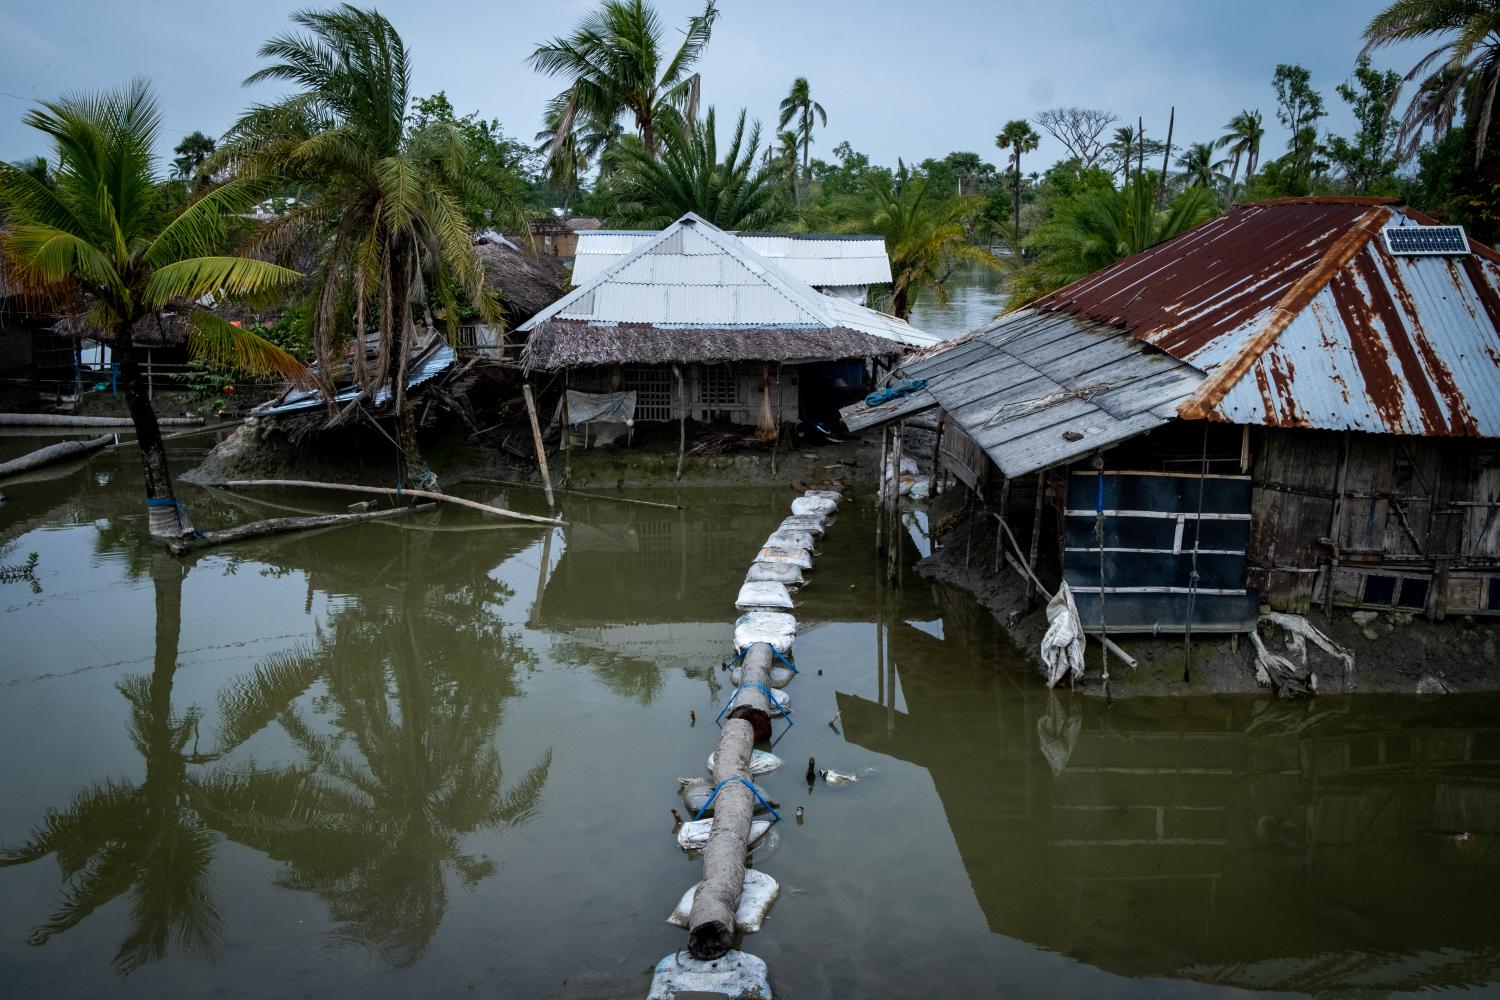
x,y
718,387
653,392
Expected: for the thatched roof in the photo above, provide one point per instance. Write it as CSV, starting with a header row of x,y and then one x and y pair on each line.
x,y
526,284
557,344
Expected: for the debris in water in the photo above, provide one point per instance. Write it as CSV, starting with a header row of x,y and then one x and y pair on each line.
x,y
799,815
676,819
362,505
836,778
692,717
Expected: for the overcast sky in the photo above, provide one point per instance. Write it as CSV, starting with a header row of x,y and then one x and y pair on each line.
x,y
897,78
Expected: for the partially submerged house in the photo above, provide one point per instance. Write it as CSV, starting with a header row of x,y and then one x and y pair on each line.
x,y
843,266
1295,403
698,325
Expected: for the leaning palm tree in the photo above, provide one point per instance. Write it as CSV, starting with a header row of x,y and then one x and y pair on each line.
x,y
1465,66
798,105
1019,137
103,231
925,238
1242,137
1101,225
383,198
689,176
614,61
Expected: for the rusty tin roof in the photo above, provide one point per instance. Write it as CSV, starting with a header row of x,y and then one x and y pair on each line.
x,y
1302,318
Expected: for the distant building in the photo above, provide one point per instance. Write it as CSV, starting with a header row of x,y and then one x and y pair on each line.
x,y
1296,403
843,266
559,237
698,325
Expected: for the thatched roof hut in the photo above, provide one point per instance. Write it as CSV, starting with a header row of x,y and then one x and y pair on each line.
x,y
526,283
558,344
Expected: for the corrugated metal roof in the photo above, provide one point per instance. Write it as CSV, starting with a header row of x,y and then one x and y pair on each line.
x,y
693,274
1036,389
436,362
821,261
1302,318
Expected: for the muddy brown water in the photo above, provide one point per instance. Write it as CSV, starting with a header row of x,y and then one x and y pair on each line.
x,y
438,760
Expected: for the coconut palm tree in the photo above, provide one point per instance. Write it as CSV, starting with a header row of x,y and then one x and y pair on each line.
x,y
1242,137
614,61
1101,225
1123,146
1019,137
966,166
192,153
385,198
925,238
1198,165
103,227
1465,65
799,105
688,176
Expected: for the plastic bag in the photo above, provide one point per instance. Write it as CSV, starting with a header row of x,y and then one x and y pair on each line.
x,y
1062,646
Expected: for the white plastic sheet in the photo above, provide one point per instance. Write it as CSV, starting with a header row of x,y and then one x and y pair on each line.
x,y
1062,646
805,505
760,892
774,627
763,594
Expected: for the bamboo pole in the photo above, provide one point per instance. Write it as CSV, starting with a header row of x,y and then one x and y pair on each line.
x,y
536,438
681,420
233,484
567,435
52,454
276,526
576,493
1036,537
935,486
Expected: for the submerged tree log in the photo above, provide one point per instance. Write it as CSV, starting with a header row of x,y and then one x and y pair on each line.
x,y
387,491
54,453
711,922
280,526
68,420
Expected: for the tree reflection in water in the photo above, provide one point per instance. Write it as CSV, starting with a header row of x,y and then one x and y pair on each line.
x,y
412,681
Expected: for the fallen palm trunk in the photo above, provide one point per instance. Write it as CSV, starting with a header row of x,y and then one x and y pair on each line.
x,y
711,923
68,420
387,491
54,453
281,526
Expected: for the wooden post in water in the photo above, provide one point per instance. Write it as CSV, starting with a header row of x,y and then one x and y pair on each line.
x,y
885,434
567,435
1036,538
893,549
536,438
681,420
934,487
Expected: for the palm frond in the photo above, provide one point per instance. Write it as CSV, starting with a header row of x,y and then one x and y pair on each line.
x,y
222,344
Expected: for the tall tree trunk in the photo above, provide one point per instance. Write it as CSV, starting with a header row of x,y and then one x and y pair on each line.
x,y
1015,161
648,136
167,518
416,472
1234,173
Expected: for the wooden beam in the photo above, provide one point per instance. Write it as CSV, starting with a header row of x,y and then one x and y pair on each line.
x,y
536,438
386,491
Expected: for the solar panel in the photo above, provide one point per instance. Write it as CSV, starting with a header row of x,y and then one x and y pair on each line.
x,y
1425,241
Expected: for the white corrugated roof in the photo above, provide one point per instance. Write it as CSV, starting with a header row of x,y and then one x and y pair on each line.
x,y
693,274
820,261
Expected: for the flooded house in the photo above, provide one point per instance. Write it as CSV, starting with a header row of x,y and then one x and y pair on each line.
x,y
692,323
1295,404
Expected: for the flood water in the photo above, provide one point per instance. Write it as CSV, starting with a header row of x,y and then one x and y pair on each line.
x,y
975,297
438,760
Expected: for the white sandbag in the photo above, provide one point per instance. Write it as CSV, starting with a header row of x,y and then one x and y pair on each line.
x,y
696,793
1062,646
833,495
761,762
776,628
790,538
779,553
775,572
814,524
760,892
693,835
921,488
779,676
735,975
763,594
803,506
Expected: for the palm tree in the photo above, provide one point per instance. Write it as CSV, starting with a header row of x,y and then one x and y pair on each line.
x,y
104,227
192,152
965,166
798,104
385,198
1019,137
689,176
1467,63
1198,165
1124,144
924,239
1101,225
1242,137
614,60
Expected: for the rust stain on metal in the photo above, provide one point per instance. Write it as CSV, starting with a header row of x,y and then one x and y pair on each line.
x,y
1382,387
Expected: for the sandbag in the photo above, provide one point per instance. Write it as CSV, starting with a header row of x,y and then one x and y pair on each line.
x,y
801,558
763,595
695,793
761,761
789,538
775,628
802,506
760,892
814,524
833,495
778,676
775,572
693,835
735,974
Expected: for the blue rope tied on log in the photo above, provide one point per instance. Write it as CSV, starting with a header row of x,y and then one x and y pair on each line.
x,y
744,781
777,653
776,706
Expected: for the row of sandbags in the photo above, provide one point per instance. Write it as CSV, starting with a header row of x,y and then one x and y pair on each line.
x,y
786,557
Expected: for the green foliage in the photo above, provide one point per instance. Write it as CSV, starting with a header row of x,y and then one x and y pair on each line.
x,y
1368,158
501,163
1298,108
800,110
689,176
1101,225
1242,136
192,153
